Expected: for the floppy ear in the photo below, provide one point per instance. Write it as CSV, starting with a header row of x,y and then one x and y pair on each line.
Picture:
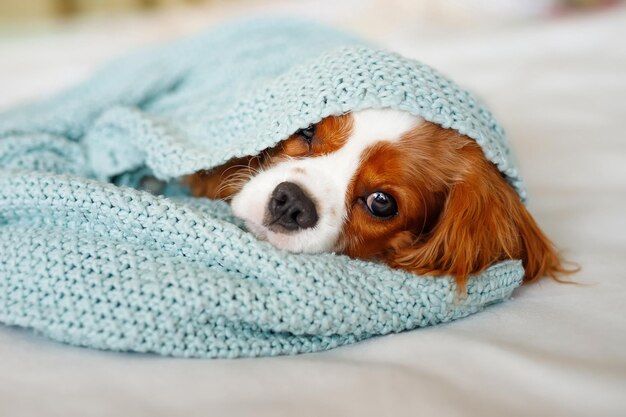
x,y
483,221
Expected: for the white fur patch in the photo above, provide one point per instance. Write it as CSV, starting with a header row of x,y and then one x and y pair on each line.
x,y
324,178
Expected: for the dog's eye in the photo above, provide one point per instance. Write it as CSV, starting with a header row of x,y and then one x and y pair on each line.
x,y
307,133
381,205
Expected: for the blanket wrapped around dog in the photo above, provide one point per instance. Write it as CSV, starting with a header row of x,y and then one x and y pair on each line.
x,y
89,258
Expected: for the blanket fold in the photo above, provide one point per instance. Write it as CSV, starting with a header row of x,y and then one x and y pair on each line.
x,y
90,263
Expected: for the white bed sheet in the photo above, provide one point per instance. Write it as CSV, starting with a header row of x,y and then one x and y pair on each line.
x,y
559,88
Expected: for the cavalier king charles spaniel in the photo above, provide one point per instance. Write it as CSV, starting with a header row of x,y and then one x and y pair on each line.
x,y
386,186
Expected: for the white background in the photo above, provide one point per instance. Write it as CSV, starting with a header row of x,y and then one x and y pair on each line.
x,y
559,88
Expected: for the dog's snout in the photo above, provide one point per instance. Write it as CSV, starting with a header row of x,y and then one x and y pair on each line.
x,y
290,208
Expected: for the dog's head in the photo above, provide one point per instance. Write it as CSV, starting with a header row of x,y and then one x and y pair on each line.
x,y
385,185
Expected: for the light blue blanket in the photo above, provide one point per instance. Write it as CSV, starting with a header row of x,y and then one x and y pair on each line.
x,y
108,266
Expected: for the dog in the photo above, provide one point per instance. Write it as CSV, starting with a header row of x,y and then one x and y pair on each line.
x,y
386,186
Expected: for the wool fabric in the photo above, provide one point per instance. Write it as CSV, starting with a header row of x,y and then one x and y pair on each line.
x,y
89,257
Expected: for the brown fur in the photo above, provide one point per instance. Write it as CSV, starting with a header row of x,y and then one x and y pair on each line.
x,y
457,215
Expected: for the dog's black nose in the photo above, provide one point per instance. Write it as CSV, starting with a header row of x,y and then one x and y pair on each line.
x,y
290,208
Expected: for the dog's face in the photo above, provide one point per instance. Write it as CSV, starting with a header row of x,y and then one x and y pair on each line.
x,y
384,185
324,187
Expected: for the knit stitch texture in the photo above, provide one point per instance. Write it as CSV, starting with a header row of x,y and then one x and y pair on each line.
x,y
112,266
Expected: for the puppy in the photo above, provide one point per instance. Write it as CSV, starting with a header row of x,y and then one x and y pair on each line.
x,y
387,186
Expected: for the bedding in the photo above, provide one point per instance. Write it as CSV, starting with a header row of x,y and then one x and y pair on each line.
x,y
99,266
554,350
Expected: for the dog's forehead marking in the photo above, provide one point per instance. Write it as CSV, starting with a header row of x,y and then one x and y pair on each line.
x,y
375,125
369,127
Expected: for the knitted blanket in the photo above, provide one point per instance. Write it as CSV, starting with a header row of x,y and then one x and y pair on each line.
x,y
88,257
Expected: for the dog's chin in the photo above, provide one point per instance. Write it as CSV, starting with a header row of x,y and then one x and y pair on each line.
x,y
298,242
258,231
